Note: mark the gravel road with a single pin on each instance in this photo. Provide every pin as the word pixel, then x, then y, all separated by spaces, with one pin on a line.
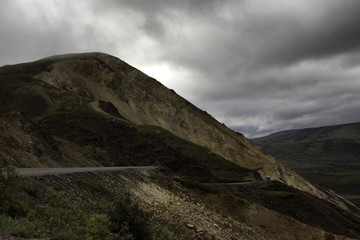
pixel 32 172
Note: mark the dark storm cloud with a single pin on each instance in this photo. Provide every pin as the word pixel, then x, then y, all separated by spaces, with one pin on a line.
pixel 335 31
pixel 252 34
pixel 158 12
pixel 155 7
pixel 257 65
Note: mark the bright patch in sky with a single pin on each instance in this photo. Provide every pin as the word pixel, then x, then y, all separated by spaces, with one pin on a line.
pixel 162 73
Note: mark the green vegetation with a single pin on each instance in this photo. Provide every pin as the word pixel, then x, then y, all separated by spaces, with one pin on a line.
pixel 223 169
pixel 280 194
pixel 22 227
pixel 279 190
pixel 15 84
pixel 101 138
pixel 328 156
pixel 98 155
pixel 13 199
pixel 15 204
pixel 128 220
pixel 8 95
pixel 13 81
pixel 324 150
pixel 340 182
pixel 165 234
pixel 77 125
pixel 19 75
pixel 57 216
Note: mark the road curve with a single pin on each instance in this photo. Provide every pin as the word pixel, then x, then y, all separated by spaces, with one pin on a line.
pixel 33 172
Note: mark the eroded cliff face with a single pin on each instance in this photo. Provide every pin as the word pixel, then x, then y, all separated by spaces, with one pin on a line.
pixel 142 100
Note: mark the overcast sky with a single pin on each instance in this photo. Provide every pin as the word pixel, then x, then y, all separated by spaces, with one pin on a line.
pixel 259 66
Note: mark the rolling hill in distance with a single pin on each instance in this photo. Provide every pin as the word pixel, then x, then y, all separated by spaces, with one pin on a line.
pixel 325 155
pixel 93 109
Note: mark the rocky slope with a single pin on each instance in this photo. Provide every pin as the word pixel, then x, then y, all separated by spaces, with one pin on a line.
pixel 111 86
pixel 174 202
pixel 94 109
pixel 142 100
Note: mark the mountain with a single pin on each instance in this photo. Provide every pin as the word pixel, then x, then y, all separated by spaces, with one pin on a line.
pixel 94 109
pixel 325 155
pixel 108 85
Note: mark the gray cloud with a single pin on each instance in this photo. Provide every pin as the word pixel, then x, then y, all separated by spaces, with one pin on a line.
pixel 28 34
pixel 334 32
pixel 259 66
pixel 245 32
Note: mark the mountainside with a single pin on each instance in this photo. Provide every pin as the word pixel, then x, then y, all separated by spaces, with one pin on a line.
pixel 325 155
pixel 109 85
pixel 95 110
pixel 101 82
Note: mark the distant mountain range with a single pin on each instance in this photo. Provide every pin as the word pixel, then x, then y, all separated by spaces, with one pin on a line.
pixel 324 155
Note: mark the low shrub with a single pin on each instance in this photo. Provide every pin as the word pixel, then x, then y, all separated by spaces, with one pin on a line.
pixel 22 227
pixel 13 201
pixel 99 155
pixel 165 234
pixel 127 219
pixel 58 217
pixel 97 226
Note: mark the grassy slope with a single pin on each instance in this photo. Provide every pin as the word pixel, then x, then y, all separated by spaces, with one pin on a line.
pixel 327 155
pixel 123 143
pixel 220 167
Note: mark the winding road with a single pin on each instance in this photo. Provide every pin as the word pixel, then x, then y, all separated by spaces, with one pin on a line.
pixel 33 172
